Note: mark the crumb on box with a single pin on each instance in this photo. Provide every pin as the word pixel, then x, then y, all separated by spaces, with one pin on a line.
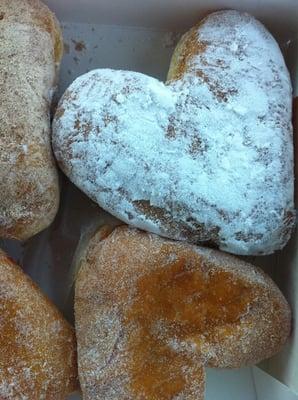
pixel 79 45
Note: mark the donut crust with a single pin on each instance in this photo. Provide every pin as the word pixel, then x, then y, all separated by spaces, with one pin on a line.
pixel 38 346
pixel 30 54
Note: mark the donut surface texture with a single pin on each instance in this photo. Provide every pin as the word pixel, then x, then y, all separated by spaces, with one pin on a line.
pixel 30 54
pixel 37 345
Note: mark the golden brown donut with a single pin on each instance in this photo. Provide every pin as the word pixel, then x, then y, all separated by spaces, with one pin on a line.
pixel 30 54
pixel 37 345
pixel 152 313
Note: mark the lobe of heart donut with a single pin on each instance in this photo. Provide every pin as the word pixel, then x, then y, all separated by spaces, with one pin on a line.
pixel 188 46
pixel 183 61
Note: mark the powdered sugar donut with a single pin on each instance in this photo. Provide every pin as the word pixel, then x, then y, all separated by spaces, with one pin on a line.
pixel 206 157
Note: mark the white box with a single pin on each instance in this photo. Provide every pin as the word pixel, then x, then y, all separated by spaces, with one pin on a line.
pixel 140 36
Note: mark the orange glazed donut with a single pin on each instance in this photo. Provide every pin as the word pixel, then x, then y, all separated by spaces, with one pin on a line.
pixel 152 313
pixel 37 345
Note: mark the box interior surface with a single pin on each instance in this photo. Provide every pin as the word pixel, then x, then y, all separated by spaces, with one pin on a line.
pixel 141 36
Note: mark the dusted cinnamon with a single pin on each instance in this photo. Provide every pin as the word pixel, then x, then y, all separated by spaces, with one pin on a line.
pixel 152 313
pixel 187 303
pixel 30 54
pixel 37 345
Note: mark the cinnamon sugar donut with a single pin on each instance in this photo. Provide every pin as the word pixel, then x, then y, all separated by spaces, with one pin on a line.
pixel 206 157
pixel 30 54
pixel 37 345
pixel 152 313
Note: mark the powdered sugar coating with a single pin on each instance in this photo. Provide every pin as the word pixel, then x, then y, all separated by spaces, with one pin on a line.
pixel 208 157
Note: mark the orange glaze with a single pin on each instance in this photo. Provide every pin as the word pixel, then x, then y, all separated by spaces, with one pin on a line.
pixel 178 303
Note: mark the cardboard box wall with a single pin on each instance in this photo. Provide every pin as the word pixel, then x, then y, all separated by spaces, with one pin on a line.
pixel 141 35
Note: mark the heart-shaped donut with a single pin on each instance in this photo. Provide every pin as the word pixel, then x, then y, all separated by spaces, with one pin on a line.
pixel 152 313
pixel 206 157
